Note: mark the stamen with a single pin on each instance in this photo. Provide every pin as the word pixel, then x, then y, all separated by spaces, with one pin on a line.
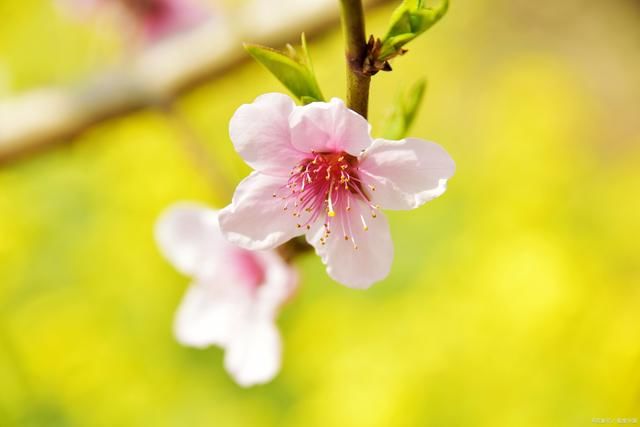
pixel 322 186
pixel 331 212
pixel 364 224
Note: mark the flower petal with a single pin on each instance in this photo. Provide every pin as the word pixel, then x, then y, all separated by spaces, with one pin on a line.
pixel 174 16
pixel 356 268
pixel 188 235
pixel 209 313
pixel 407 173
pixel 253 356
pixel 260 134
pixel 279 284
pixel 255 219
pixel 329 127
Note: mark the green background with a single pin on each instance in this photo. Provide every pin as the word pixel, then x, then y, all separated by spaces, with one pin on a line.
pixel 513 300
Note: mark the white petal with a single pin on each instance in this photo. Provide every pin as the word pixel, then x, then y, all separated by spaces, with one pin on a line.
pixel 260 133
pixel 255 219
pixel 253 355
pixel 370 262
pixel 407 173
pixel 188 235
pixel 279 284
pixel 329 127
pixel 210 312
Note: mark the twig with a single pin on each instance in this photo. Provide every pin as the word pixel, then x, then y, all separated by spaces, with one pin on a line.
pixel 196 149
pixel 358 82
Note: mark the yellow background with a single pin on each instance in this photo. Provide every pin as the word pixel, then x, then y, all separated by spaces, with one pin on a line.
pixel 514 299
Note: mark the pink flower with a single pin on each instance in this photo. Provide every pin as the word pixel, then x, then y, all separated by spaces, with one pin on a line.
pixel 318 172
pixel 161 18
pixel 152 19
pixel 235 296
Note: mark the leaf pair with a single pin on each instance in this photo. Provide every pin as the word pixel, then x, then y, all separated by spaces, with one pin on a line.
pixel 408 21
pixel 292 68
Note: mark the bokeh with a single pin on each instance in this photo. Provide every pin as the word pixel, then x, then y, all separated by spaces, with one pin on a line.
pixel 514 299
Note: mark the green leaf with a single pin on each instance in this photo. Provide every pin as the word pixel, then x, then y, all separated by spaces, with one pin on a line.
pixel 404 111
pixel 292 68
pixel 408 21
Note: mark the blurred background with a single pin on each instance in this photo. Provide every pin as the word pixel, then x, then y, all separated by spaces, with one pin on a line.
pixel 513 300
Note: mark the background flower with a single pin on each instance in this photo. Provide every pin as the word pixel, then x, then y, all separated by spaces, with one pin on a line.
pixel 153 20
pixel 235 295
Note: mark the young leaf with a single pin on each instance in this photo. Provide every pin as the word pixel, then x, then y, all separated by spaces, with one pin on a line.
pixel 404 111
pixel 408 21
pixel 292 69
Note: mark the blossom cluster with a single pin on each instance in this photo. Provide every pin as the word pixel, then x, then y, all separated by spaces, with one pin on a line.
pixel 318 173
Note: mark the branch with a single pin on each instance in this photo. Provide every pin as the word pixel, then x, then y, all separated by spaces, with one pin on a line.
pixel 42 118
pixel 356 51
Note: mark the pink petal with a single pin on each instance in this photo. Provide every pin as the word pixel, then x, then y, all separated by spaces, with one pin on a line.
pixel 329 127
pixel 279 284
pixel 171 17
pixel 370 262
pixel 189 237
pixel 260 134
pixel 253 356
pixel 255 219
pixel 407 173
pixel 209 313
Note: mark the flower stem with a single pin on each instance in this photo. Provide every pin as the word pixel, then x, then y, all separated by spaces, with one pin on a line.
pixel 356 50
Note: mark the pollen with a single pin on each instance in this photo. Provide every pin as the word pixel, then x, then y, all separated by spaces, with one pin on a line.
pixel 325 188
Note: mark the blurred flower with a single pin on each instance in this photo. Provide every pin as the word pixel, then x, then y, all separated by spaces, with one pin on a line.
pixel 319 173
pixel 152 19
pixel 160 18
pixel 235 296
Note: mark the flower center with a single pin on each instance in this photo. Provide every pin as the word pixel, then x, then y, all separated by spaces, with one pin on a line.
pixel 249 271
pixel 324 187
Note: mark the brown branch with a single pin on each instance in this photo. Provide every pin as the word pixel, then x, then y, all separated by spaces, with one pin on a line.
pixel 353 29
pixel 43 118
